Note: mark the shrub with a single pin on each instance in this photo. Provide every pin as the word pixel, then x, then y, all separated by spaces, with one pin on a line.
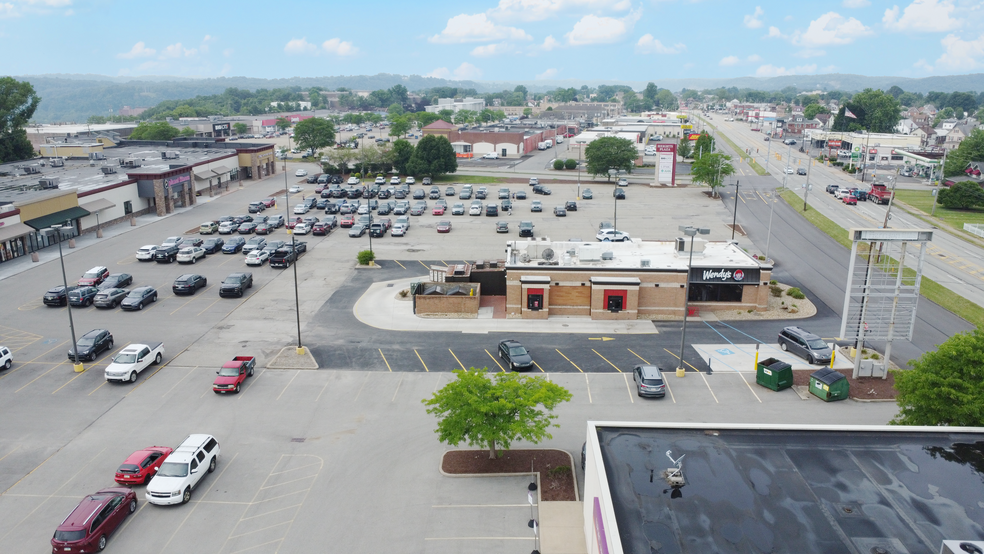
pixel 366 257
pixel 776 290
pixel 558 164
pixel 773 282
pixel 795 293
pixel 875 356
pixel 761 257
pixel 570 164
pixel 404 293
pixel 357 175
pixel 559 471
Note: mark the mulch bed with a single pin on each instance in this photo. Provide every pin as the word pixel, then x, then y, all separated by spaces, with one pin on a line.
pixel 862 388
pixel 556 479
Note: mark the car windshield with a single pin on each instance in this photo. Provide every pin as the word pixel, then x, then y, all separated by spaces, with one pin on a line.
pixel 70 536
pixel 129 358
pixel 173 469
pixel 86 342
pixel 135 294
pixel 517 351
pixel 229 371
pixel 816 344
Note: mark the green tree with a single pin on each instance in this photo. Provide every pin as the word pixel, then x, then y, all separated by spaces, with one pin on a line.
pixel 811 111
pixel 895 92
pixel 945 113
pixel 684 149
pixel 650 92
pixel 394 110
pixel 527 112
pixel 424 119
pixel 464 117
pixel 961 196
pixel 399 126
pixel 314 133
pixel 945 386
pixel 873 111
pixel 666 101
pixel 558 164
pixel 711 169
pixel 18 101
pixel 492 412
pixel 433 156
pixel 522 90
pixel 607 153
pixel 971 149
pixel 446 115
pixel 160 130
pixel 283 124
pixel 240 128
pixel 703 145
pixel 187 132
pixel 401 154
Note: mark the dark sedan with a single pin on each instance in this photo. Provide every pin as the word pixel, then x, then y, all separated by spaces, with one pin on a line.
pixel 92 344
pixel 117 281
pixel 138 298
pixel 515 355
pixel 520 195
pixel 246 228
pixel 109 298
pixel 263 229
pixel 56 296
pixel 189 283
pixel 211 246
pixel 234 245
pixel 82 296
pixel 619 194
pixel 236 284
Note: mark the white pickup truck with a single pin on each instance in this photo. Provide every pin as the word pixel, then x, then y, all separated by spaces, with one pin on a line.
pixel 132 360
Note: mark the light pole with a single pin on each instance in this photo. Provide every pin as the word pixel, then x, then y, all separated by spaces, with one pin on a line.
pixel 293 247
pixel 772 209
pixel 734 220
pixel 789 154
pixel 56 229
pixel 691 232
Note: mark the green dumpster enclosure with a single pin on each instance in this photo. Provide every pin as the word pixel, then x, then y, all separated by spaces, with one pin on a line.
pixel 774 374
pixel 829 385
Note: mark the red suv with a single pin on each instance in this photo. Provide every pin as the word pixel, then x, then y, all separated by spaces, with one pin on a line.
pixel 141 466
pixel 94 276
pixel 88 527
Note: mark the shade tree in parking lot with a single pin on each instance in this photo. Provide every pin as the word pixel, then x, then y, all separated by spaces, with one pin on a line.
pixel 402 152
pixel 399 126
pixel 703 145
pixel 946 386
pixel 433 156
pixel 711 169
pixel 283 124
pixel 493 410
pixel 684 149
pixel 314 134
pixel 607 153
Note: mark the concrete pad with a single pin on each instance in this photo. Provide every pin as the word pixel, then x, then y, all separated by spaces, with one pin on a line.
pixel 562 528
pixel 290 359
pixel 741 357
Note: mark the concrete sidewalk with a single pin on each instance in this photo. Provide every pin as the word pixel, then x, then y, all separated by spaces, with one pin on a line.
pixel 381 307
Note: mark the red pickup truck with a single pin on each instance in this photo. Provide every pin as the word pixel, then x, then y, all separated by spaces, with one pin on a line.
pixel 233 373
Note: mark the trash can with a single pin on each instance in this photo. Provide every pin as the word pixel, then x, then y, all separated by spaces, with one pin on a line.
pixel 774 374
pixel 829 385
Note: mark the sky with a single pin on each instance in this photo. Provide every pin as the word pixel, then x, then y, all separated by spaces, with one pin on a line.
pixel 497 40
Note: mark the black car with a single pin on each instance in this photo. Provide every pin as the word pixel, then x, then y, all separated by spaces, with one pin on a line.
pixel 82 296
pixel 166 255
pixel 234 245
pixel 109 298
pixel 515 355
pixel 264 229
pixel 449 191
pixel 492 210
pixel 801 171
pixel 526 228
pixel 481 194
pixel 138 298
pixel 117 281
pixel 212 246
pixel 189 283
pixel 559 211
pixel 92 344
pixel 56 296
pixel 506 205
pixel 540 189
pixel 419 194
pixel 520 195
pixel 571 206
pixel 384 194
pixel 246 228
pixel 236 285
pixel 619 193
pixel 385 208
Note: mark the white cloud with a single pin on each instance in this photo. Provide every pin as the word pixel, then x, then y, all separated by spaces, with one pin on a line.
pixel 463 71
pixel 17 8
pixel 774 32
pixel 961 54
pixel 538 10
pixel 592 29
pixel 176 50
pixel 476 28
pixel 647 44
pixel 139 50
pixel 769 70
pixel 549 43
pixel 753 21
pixel 300 46
pixel 735 60
pixel 809 53
pixel 832 28
pixel 339 47
pixel 548 74
pixel 921 64
pixel 754 58
pixel 205 42
pixel 487 50
pixel 856 3
pixel 923 16
pixel 228 52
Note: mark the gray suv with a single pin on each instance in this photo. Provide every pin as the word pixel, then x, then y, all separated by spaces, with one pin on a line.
pixel 649 381
pixel 801 342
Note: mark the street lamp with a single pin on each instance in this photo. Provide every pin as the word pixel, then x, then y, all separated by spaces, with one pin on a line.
pixel 56 229
pixel 734 220
pixel 691 232
pixel 293 247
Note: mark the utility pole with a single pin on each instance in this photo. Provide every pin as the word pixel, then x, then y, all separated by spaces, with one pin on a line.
pixel 936 193
pixel 809 166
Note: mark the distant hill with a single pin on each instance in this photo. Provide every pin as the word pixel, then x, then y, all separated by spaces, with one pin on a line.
pixel 75 97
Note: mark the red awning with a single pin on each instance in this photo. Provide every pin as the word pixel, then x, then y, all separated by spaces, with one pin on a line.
pixel 968 170
pixel 977 172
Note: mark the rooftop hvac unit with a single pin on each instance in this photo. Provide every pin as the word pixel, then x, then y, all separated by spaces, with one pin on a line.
pixel 108 170
pixel 97 156
pixel 962 547
pixel 645 263
pixel 493 264
pixel 590 253
pixel 170 155
pixel 57 162
pixel 30 169
pixel 609 255
pixel 681 244
pixel 130 163
pixel 49 183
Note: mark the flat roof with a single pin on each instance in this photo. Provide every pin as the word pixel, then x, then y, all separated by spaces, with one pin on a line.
pixel 788 489
pixel 75 128
pixel 661 255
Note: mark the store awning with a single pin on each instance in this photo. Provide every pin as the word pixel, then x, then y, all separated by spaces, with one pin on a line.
pixel 8 232
pixel 97 205
pixel 63 216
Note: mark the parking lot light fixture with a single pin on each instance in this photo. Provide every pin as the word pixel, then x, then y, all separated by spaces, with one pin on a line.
pixel 293 246
pixel 56 230
pixel 691 232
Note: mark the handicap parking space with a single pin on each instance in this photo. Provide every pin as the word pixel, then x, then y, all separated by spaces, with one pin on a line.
pixel 741 357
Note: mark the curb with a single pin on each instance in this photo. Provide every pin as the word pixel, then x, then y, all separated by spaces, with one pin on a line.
pixel 577 493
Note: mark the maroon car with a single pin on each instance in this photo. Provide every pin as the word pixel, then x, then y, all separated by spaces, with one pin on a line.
pixel 320 229
pixel 269 202
pixel 94 276
pixel 141 466
pixel 92 522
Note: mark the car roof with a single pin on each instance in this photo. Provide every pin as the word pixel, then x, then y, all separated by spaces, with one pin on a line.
pixel 650 371
pixel 93 333
pixel 90 506
pixel 139 455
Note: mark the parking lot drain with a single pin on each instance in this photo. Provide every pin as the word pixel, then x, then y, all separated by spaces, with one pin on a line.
pixel 297 439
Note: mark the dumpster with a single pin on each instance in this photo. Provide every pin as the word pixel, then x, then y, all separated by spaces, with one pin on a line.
pixel 774 374
pixel 828 385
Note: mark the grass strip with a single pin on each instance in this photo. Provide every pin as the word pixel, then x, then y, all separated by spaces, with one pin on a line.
pixel 932 290
pixel 751 161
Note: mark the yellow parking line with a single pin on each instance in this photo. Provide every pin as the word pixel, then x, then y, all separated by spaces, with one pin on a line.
pixel 628 388
pixel 421 360
pixel 97 388
pixel 569 360
pixel 94 363
pixel 699 372
pixel 638 356
pixel 606 359
pixel 538 367
pixel 459 361
pixel 423 264
pixel 193 298
pixel 495 361
pixel 384 360
pixel 209 306
pixel 399 264
pixel 40 376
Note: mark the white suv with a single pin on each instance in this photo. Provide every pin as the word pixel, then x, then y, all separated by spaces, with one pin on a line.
pixel 183 470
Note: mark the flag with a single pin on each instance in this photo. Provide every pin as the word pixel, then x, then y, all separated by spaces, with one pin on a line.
pixel 847 113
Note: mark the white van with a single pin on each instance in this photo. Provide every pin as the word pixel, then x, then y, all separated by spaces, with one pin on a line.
pixel 549 143
pixel 541 146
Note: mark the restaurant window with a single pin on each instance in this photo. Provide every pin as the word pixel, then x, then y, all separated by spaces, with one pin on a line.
pixel 713 292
